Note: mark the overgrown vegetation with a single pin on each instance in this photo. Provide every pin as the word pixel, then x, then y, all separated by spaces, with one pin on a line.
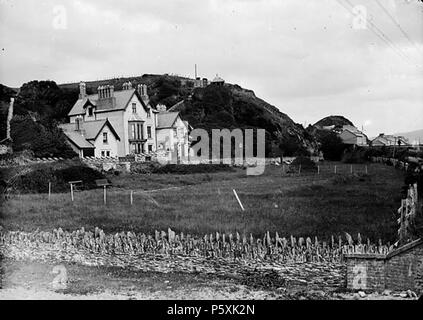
pixel 149 168
pixel 306 164
pixel 37 180
pixel 331 145
pixel 42 137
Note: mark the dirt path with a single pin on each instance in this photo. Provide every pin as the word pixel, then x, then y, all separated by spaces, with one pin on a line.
pixel 34 280
pixel 28 280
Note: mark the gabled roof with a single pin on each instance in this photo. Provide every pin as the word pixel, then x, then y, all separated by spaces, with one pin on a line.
pixel 166 119
pixel 177 105
pixel 390 139
pixel 90 129
pixel 77 139
pixel 355 133
pixel 119 101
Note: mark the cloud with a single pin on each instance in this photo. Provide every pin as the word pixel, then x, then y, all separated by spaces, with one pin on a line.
pixel 305 57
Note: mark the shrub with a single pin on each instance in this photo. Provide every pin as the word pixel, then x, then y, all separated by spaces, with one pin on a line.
pixel 331 145
pixel 306 164
pixel 192 168
pixel 37 180
pixel 154 167
pixel 355 155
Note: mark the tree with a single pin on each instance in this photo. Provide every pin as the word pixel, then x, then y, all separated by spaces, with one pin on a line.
pixel 331 145
pixel 44 139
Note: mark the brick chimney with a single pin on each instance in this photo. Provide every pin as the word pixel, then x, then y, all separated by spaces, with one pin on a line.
pixel 82 90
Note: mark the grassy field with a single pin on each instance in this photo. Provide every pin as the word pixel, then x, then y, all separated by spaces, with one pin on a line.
pixel 306 205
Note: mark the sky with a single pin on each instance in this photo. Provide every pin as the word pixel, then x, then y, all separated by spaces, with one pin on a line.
pixel 310 58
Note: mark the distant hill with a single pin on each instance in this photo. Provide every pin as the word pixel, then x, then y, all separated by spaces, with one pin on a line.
pixel 412 136
pixel 337 121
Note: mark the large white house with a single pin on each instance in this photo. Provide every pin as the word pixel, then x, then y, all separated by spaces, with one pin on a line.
pixel 119 123
pixel 172 135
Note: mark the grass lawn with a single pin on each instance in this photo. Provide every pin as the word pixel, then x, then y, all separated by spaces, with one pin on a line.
pixel 307 205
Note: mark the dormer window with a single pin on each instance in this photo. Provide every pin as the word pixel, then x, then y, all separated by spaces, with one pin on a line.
pixel 134 108
pixel 90 112
pixel 149 113
pixel 104 137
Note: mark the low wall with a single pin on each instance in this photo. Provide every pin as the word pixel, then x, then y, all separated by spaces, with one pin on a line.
pixel 401 269
pixel 365 272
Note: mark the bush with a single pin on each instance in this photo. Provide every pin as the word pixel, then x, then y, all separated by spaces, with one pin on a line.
pixel 44 140
pixel 153 167
pixel 331 145
pixel 306 164
pixel 37 180
pixel 355 155
pixel 144 168
pixel 192 168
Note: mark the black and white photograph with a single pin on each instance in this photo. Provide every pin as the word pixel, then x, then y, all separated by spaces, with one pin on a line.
pixel 213 155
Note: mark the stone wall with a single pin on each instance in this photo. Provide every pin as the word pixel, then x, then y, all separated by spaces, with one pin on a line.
pixel 401 269
pixel 366 272
pixel 404 269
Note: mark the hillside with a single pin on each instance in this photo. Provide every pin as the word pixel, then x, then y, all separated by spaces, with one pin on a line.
pixel 228 106
pixel 337 121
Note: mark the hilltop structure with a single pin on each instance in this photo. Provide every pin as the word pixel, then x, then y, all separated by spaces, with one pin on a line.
pixel 119 123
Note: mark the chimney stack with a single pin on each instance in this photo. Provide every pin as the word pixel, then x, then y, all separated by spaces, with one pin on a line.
pixel 82 90
pixel 142 91
pixel 161 108
pixel 127 85
pixel 100 92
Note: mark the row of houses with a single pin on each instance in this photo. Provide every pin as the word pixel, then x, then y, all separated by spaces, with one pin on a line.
pixel 352 136
pixel 117 123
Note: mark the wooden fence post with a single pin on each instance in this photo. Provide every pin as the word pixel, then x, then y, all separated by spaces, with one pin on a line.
pixel 71 186
pixel 299 169
pixel 49 190
pixel 239 201
pixel 132 198
pixel 367 170
pixel 335 168
pixel 318 169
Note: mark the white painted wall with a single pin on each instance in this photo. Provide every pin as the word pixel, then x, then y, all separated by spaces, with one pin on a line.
pixel 119 120
pixel 142 114
pixel 168 138
pixel 116 120
pixel 111 145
